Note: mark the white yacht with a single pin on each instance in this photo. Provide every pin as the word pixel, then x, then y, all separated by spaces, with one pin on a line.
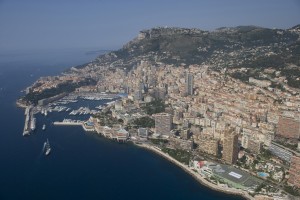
pixel 47 147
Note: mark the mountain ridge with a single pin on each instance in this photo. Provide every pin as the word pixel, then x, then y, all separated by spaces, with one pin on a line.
pixel 251 47
pixel 195 46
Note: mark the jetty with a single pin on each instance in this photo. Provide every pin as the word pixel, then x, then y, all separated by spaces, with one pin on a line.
pixel 86 125
pixel 69 122
pixel 29 121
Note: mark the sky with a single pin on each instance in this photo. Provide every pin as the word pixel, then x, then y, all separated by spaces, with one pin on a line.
pixel 109 24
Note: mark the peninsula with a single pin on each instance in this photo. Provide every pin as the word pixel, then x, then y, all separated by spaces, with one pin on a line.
pixel 223 105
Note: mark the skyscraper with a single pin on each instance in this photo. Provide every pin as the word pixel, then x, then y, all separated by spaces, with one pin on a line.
pixel 163 123
pixel 230 146
pixel 189 84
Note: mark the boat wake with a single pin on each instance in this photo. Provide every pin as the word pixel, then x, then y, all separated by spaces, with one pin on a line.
pixel 42 151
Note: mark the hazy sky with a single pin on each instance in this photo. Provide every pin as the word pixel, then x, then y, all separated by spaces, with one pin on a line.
pixel 108 24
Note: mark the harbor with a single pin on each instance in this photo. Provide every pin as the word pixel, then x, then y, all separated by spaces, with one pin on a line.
pixel 91 103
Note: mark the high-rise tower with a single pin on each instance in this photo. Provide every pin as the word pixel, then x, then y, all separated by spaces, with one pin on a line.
pixel 189 84
pixel 230 146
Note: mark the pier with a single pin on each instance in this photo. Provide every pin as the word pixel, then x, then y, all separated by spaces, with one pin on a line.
pixel 69 122
pixel 87 126
pixel 28 120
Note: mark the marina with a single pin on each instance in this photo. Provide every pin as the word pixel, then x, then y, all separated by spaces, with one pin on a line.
pixel 67 104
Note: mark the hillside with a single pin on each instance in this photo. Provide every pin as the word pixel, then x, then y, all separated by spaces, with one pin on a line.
pixel 251 47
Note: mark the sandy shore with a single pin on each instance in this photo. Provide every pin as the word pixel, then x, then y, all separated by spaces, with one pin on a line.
pixel 197 176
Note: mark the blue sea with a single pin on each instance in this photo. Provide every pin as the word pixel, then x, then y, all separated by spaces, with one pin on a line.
pixel 81 165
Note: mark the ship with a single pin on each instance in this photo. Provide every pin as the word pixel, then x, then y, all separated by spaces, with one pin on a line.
pixel 44 127
pixel 47 147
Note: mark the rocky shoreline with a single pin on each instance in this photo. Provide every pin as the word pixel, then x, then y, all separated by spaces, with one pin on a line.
pixel 21 104
pixel 197 176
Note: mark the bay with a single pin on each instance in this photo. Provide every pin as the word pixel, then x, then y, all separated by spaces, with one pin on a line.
pixel 81 165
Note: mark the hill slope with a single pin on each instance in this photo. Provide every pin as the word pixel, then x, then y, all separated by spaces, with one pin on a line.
pixel 240 46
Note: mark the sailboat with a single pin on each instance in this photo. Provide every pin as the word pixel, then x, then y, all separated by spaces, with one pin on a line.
pixel 44 127
pixel 47 147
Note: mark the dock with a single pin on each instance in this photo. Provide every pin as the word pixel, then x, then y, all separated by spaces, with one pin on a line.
pixel 69 122
pixel 87 126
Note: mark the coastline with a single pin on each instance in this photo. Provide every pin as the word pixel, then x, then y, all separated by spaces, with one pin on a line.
pixel 197 176
pixel 21 104
pixel 194 174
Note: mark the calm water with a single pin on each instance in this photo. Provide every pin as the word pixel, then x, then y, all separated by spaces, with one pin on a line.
pixel 80 166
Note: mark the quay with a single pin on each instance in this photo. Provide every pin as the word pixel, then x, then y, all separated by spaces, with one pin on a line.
pixel 87 126
pixel 69 122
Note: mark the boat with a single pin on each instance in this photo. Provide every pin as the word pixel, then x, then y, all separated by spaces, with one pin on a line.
pixel 44 127
pixel 47 147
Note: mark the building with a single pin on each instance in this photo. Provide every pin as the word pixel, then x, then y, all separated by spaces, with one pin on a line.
pixel 185 134
pixel 230 146
pixel 163 124
pixel 122 135
pixel 118 105
pixel 138 95
pixel 254 146
pixel 46 101
pixel 181 144
pixel 280 152
pixel 208 145
pixel 189 84
pixel 288 127
pixel 234 177
pixel 260 83
pixel 143 132
pixel 294 177
pixel 160 93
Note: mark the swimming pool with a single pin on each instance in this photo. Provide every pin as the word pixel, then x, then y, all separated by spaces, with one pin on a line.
pixel 262 174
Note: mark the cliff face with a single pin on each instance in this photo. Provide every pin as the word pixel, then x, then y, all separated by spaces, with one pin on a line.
pixel 242 46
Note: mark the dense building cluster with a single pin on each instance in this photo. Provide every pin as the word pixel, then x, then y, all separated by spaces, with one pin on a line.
pixel 205 109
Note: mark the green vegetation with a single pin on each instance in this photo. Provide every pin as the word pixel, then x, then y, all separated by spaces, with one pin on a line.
pixel 106 119
pixel 275 61
pixel 291 75
pixel 265 154
pixel 160 142
pixel 240 75
pixel 291 190
pixel 261 186
pixel 66 87
pixel 180 155
pixel 288 145
pixel 144 122
pixel 252 47
pixel 153 107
